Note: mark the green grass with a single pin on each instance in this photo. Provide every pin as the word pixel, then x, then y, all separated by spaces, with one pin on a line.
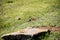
pixel 52 36
pixel 47 12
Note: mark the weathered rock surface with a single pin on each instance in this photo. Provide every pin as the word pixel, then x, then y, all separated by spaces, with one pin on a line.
pixel 26 34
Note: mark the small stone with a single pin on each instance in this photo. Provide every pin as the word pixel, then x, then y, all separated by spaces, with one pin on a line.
pixel 29 20
pixel 19 18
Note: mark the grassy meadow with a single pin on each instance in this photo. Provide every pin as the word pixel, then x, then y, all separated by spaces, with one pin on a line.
pixel 15 14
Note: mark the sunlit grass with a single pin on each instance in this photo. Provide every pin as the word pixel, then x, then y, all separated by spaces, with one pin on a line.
pixel 47 12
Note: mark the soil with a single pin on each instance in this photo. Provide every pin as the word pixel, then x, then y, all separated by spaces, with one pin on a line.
pixel 52 29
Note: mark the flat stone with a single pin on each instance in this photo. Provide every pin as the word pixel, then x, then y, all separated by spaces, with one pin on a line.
pixel 25 34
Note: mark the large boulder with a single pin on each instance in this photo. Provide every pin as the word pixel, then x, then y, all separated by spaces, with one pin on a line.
pixel 25 34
